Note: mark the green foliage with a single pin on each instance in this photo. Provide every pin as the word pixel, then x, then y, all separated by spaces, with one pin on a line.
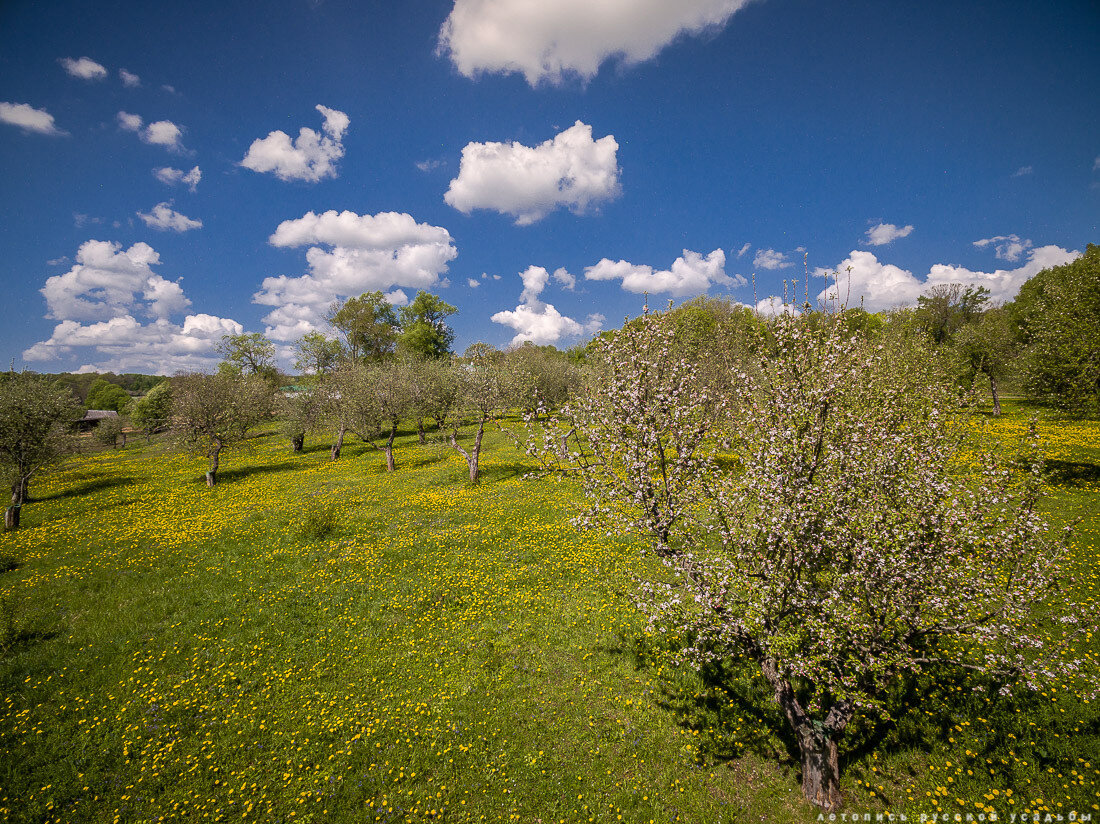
pixel 367 324
pixel 1058 312
pixel 107 396
pixel 110 432
pixel 948 307
pixel 424 332
pixel 251 354
pixel 317 354
pixel 153 411
pixel 35 415
pixel 318 520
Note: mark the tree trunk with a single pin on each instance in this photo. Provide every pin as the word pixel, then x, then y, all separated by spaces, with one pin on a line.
pixel 390 466
pixel 817 741
pixel 420 430
pixel 339 443
pixel 11 516
pixel 297 442
pixel 472 457
pixel 996 396
pixel 212 473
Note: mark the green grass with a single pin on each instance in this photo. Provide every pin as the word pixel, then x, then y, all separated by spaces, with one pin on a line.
pixel 317 641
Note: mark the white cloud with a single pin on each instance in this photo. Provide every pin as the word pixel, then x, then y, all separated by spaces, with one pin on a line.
pixel 771 306
pixel 1096 164
pixel 366 253
pixel 172 176
pixel 29 119
pixel 163 217
pixel 129 79
pixel 571 170
pixel 310 157
pixel 122 344
pixel 741 252
pixel 97 303
pixel 106 282
pixel 429 165
pixel 567 280
pixel 161 133
pixel 549 40
pixel 862 279
pixel 539 322
pixel 1007 247
pixel 473 283
pixel 884 233
pixel 85 68
pixel 770 259
pixel 690 274
pixel 1023 170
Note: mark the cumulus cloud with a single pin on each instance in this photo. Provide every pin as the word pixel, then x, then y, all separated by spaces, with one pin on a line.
pixel 690 274
pixel 165 218
pixel 98 302
pixel 771 259
pixel 107 282
pixel 129 79
pixel 1006 247
pixel 160 133
pixel 550 40
pixel 122 344
pixel 571 170
pixel 309 157
pixel 862 279
pixel 772 306
pixel 85 68
pixel 539 322
pixel 884 233
pixel 29 119
pixel 364 253
pixel 170 176
pixel 473 283
pixel 741 252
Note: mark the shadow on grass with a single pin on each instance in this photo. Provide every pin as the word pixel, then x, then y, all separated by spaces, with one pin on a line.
pixel 95 485
pixel 504 471
pixel 230 475
pixel 1072 473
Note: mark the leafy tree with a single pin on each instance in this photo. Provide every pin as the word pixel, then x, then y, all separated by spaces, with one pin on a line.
pixel 111 432
pixel 107 396
pixel 481 390
pixel 317 354
pixel 842 545
pixel 214 412
pixel 987 347
pixel 251 354
pixel 433 387
pixel 1058 312
pixel 35 415
pixel 948 307
pixel 153 411
pixel 300 412
pixel 424 332
pixel 540 378
pixel 368 325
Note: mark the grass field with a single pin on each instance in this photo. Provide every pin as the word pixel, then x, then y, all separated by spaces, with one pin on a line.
pixel 317 641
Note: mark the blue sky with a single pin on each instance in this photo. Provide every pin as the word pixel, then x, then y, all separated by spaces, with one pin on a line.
pixel 539 165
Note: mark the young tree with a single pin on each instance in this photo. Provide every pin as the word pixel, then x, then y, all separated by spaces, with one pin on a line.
pixel 948 307
pixel 987 347
pixel 433 387
pixel 153 412
pixel 316 354
pixel 844 544
pixel 299 412
pixel 539 377
pixel 251 354
pixel 480 392
pixel 213 412
pixel 424 333
pixel 111 432
pixel 35 415
pixel 367 324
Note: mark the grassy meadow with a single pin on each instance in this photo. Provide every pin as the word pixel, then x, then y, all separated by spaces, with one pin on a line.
pixel 319 641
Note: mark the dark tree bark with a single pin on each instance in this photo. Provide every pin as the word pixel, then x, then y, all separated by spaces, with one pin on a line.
pixel 298 442
pixel 420 429
pixel 339 443
pixel 996 396
pixel 817 741
pixel 388 449
pixel 212 473
pixel 474 455
pixel 11 516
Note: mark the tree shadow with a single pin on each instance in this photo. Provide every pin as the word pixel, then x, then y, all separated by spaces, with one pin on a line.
pixel 96 485
pixel 503 471
pixel 1072 473
pixel 229 475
